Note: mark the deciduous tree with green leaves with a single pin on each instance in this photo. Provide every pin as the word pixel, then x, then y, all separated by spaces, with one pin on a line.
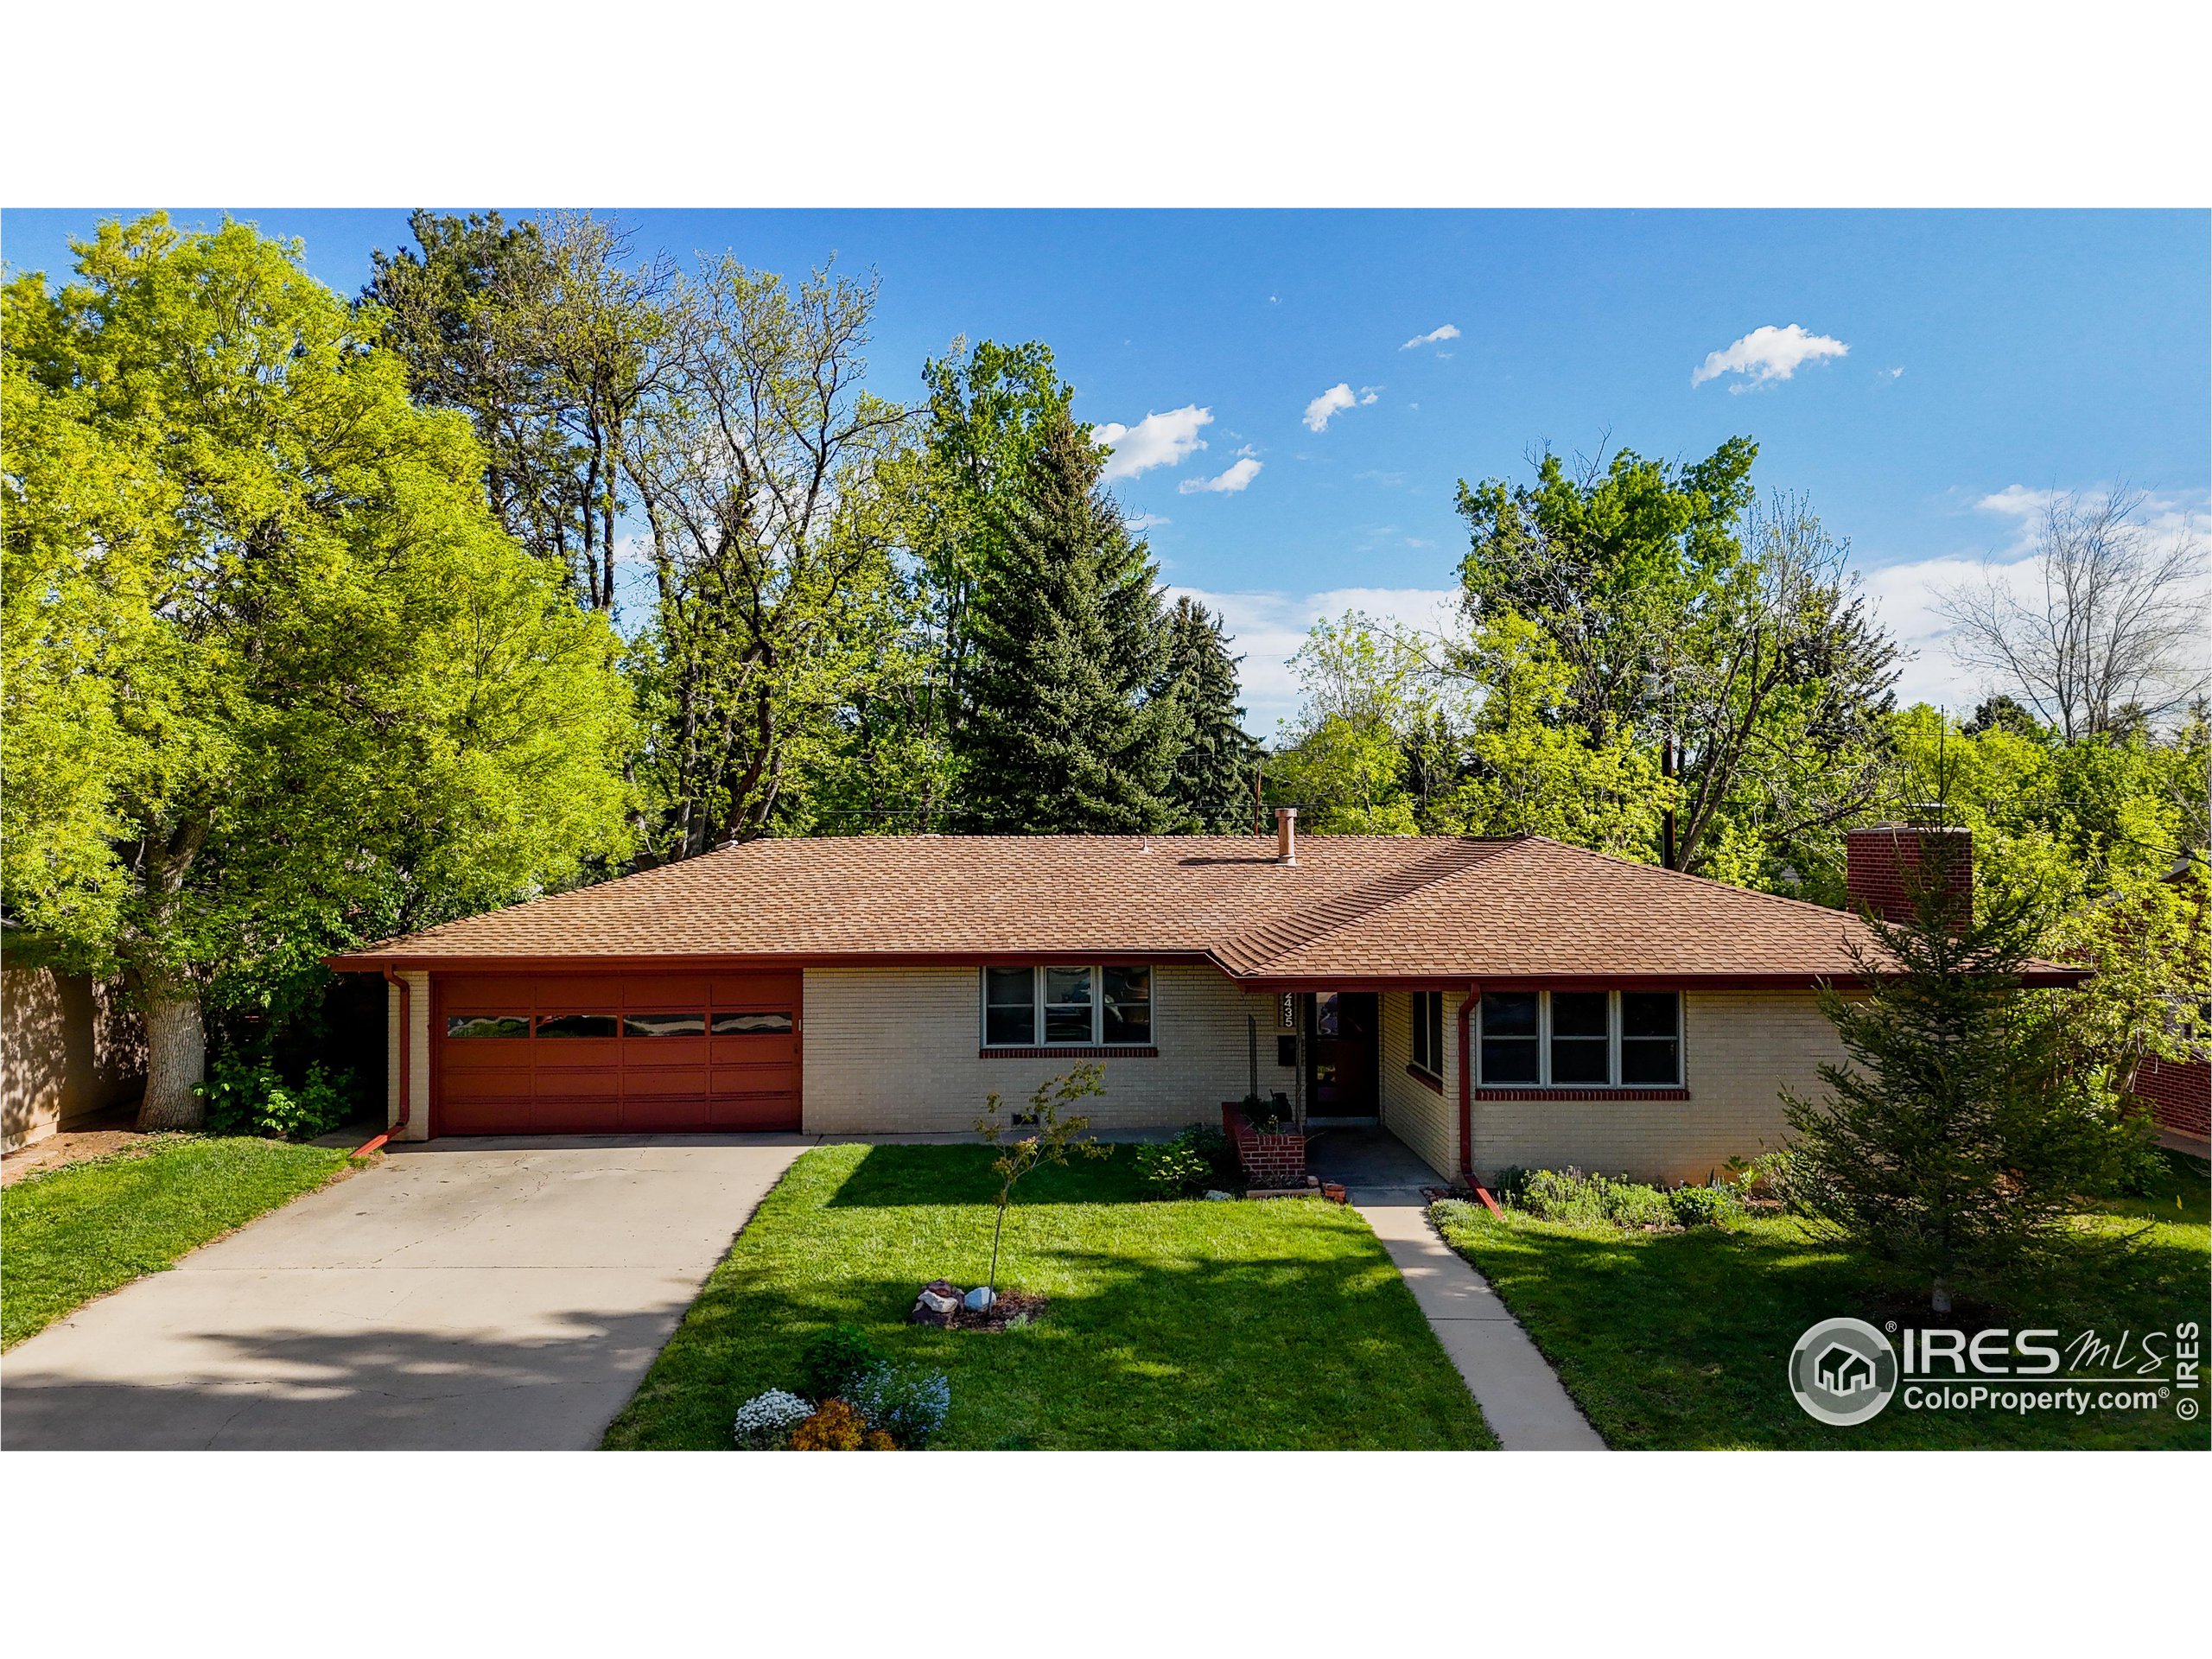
pixel 1690 618
pixel 276 679
pixel 771 533
pixel 549 335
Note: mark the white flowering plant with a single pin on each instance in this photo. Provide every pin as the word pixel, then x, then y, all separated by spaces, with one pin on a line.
pixel 765 1422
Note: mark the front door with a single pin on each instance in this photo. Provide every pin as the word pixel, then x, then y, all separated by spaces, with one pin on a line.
pixel 1340 1051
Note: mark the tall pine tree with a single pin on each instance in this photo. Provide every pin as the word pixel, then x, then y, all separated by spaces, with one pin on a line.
pixel 1070 726
pixel 1960 1138
pixel 1211 784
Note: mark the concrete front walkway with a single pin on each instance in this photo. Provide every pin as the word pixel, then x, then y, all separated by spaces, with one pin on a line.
pixel 478 1293
pixel 1520 1394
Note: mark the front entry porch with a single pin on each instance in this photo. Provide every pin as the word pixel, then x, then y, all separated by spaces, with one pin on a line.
pixel 1371 1164
pixel 1342 1051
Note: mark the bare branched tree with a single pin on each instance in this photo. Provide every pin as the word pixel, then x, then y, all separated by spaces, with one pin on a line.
pixel 771 539
pixel 1777 702
pixel 2105 631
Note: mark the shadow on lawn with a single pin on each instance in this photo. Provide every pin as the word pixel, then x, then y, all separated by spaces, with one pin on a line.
pixel 1195 1350
pixel 894 1176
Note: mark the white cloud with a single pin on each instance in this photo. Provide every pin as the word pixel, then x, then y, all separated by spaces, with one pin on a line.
pixel 1337 398
pixel 1368 394
pixel 1145 521
pixel 1239 474
pixel 1434 337
pixel 2018 501
pixel 1765 355
pixel 1159 440
pixel 1269 627
pixel 1896 374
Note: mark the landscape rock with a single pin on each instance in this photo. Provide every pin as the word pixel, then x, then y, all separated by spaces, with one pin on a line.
pixel 979 1299
pixel 931 1309
pixel 1220 1197
pixel 943 1288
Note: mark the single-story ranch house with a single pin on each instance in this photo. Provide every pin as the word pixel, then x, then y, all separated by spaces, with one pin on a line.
pixel 1489 1001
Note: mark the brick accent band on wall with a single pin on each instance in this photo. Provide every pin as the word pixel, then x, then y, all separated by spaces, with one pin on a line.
pixel 1111 1052
pixel 1580 1093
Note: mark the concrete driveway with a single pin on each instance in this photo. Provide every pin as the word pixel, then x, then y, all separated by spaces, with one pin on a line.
pixel 466 1293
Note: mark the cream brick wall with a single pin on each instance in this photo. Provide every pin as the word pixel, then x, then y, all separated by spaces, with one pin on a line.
pixel 418 1059
pixel 892 1050
pixel 1739 1048
pixel 1417 1114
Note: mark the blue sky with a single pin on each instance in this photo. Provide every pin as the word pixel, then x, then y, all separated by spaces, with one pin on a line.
pixel 1922 376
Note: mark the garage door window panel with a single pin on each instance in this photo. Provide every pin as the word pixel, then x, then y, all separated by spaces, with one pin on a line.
pixel 763 1024
pixel 472 1026
pixel 579 1025
pixel 664 1024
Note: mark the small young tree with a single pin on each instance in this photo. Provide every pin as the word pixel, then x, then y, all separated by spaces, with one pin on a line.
pixel 1053 1139
pixel 1962 1133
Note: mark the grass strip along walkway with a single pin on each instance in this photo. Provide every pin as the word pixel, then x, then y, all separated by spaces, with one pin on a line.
pixel 84 1228
pixel 1188 1324
pixel 1681 1339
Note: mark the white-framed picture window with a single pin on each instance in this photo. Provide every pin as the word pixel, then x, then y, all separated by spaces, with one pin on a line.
pixel 1596 1039
pixel 1068 1005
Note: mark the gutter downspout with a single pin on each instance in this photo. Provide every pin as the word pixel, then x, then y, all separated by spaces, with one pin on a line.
pixel 1468 1099
pixel 406 1049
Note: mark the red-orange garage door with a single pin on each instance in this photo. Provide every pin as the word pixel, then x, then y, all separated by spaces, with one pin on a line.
pixel 614 1053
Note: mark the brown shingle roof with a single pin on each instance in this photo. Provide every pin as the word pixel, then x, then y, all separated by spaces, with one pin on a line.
pixel 1352 908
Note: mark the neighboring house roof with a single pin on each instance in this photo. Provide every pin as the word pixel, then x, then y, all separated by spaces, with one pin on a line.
pixel 1353 908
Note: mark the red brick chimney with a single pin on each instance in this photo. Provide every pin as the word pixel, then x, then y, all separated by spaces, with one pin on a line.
pixel 1885 866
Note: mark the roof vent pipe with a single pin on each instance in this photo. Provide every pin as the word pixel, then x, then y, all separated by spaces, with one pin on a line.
pixel 1286 835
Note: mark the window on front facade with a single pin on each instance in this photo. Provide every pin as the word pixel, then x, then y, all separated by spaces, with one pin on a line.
pixel 1126 1009
pixel 1067 1007
pixel 1580 1038
pixel 1651 1037
pixel 1010 1005
pixel 1428 1032
pixel 1512 1044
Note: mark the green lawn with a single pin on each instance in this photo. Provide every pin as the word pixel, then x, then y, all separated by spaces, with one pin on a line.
pixel 80 1230
pixel 1683 1339
pixel 1188 1324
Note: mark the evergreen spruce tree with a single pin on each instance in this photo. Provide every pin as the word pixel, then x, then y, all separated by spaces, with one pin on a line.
pixel 1212 785
pixel 1963 1133
pixel 1070 728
